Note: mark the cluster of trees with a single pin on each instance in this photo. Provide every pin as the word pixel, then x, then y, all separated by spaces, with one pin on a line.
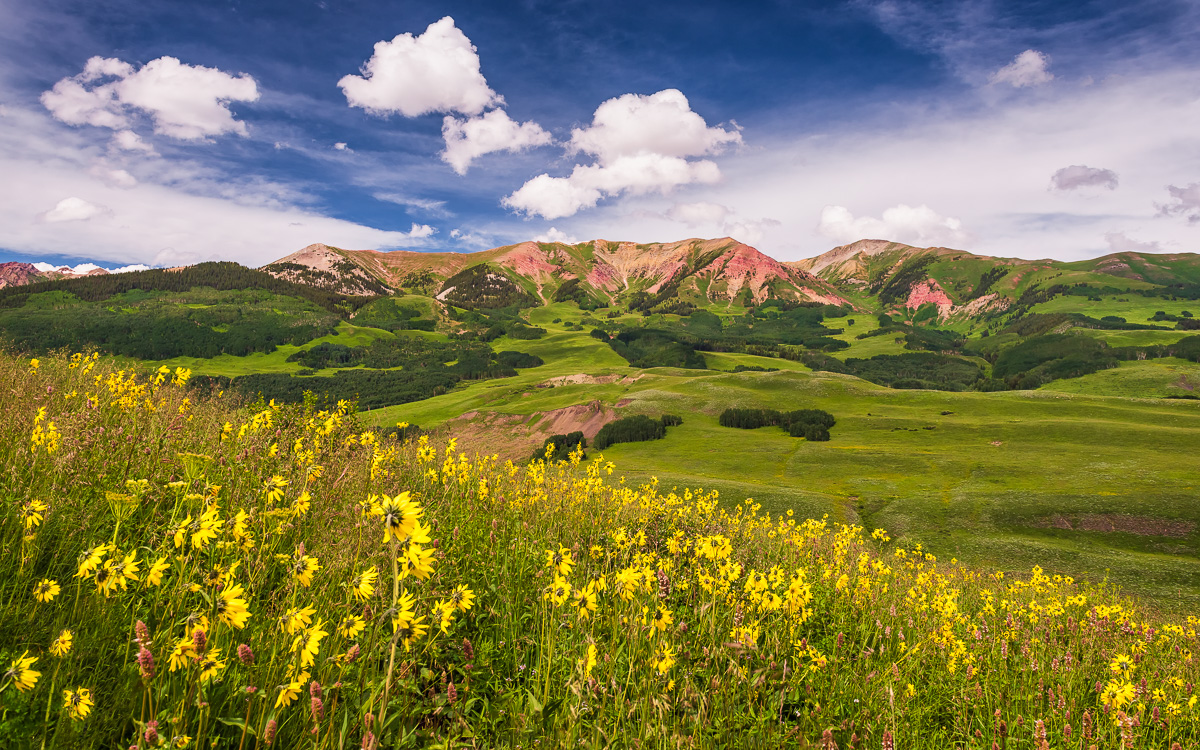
pixel 649 347
pixel 910 370
pixel 159 325
pixel 220 276
pixel 345 273
pixel 1040 359
pixel 416 369
pixel 485 287
pixel 563 446
pixel 634 429
pixel 472 360
pixel 811 424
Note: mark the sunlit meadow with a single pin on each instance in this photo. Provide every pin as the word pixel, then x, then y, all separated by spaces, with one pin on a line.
pixel 178 570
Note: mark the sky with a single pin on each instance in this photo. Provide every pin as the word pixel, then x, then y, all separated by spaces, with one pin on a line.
pixel 164 133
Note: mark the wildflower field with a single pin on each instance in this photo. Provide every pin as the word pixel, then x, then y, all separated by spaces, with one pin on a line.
pixel 180 570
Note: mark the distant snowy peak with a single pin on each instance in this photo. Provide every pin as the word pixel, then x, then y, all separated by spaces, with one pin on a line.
pixel 19 274
pixel 86 269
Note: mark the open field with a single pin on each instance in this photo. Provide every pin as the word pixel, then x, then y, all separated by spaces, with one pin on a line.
pixel 1082 484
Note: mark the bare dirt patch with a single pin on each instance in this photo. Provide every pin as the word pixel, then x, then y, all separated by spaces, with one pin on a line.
pixel 581 379
pixel 516 436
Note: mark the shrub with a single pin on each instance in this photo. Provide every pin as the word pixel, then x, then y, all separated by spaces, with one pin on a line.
pixel 629 430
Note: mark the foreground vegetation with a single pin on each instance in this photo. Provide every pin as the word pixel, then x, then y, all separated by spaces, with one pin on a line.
pixel 187 571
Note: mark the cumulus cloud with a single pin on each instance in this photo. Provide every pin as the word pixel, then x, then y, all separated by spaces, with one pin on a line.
pixel 1027 69
pixel 642 144
pixel 1185 202
pixel 1078 176
pixel 421 231
pixel 188 102
pixel 556 197
pixel 918 225
pixel 437 71
pixel 71 209
pixel 339 146
pixel 661 123
pixel 554 234
pixel 467 140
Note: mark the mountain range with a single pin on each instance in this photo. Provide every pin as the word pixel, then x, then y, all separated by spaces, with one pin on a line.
pixel 867 274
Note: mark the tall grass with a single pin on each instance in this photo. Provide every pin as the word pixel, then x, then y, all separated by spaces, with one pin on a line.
pixel 252 576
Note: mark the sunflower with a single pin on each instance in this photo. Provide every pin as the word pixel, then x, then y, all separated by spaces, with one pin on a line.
pixel 585 600
pixel 296 618
pixel 155 573
pixel 211 664
pixel 46 590
pixel 288 693
pixel 78 703
pixel 363 584
pixel 303 568
pixel 400 516
pixel 662 620
pixel 61 646
pixel 463 598
pixel 560 562
pixel 351 626
pixel 664 659
pixel 90 560
pixel 273 488
pixel 184 651
pixel 20 674
pixel 412 632
pixel 404 612
pixel 231 607
pixel 1121 664
pixel 308 643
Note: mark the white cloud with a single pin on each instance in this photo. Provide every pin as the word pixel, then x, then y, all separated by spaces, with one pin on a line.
pixel 339 146
pixel 1078 176
pixel 917 226
pixel 1119 242
pixel 188 102
pixel 554 234
pixel 471 239
pixel 556 197
pixel 127 140
pixel 1027 69
pixel 437 71
pixel 467 140
pixel 114 177
pixel 662 123
pixel 421 231
pixel 1185 202
pixel 698 214
pixel 642 145
pixel 71 209
pixel 434 208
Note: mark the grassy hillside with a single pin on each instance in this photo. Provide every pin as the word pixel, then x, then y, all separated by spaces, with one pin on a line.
pixel 195 573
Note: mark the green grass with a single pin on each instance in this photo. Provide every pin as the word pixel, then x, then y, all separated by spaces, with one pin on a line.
pixel 276 361
pixel 1152 378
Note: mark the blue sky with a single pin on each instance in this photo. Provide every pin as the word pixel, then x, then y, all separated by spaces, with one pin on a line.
pixel 165 133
